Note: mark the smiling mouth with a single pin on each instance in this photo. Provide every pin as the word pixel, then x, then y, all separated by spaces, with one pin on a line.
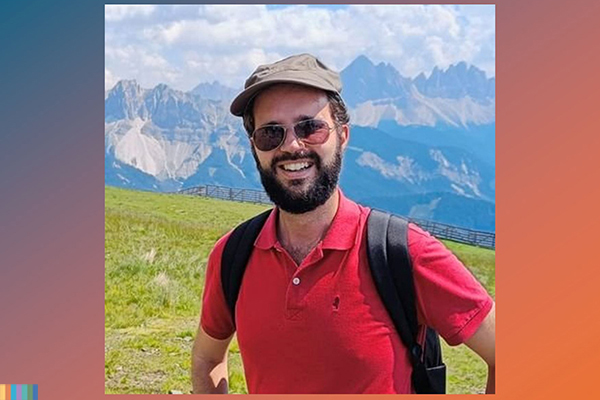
pixel 297 166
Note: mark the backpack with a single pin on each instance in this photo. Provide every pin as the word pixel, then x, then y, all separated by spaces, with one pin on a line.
pixel 391 268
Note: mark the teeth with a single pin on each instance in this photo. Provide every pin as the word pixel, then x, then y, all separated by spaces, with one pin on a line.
pixel 295 166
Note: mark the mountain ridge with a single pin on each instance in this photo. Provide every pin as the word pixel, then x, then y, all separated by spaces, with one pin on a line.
pixel 402 141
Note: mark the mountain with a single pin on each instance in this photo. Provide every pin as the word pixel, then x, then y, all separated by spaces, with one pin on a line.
pixel 214 91
pixel 480 140
pixel 422 147
pixel 457 82
pixel 446 208
pixel 458 97
pixel 169 134
pixel 377 164
pixel 362 81
pixel 125 101
pixel 165 107
pixel 120 174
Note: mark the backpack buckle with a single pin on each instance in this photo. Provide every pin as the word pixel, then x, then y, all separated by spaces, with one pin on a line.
pixel 416 352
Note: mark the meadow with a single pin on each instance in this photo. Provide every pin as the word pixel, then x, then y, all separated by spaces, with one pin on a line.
pixel 156 249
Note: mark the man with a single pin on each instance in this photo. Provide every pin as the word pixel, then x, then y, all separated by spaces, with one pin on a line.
pixel 308 317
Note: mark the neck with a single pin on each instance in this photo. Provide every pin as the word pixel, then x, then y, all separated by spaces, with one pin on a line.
pixel 309 228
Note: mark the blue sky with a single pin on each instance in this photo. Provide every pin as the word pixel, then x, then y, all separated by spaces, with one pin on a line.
pixel 184 45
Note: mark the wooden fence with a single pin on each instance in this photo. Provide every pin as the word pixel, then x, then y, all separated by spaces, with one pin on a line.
pixel 227 193
pixel 458 234
pixel 441 231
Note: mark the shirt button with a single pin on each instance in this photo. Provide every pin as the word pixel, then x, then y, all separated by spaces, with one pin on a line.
pixel 296 281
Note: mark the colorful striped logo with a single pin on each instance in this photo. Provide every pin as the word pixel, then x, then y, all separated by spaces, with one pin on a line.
pixel 18 392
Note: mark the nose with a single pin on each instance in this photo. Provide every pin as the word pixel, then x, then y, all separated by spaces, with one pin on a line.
pixel 291 143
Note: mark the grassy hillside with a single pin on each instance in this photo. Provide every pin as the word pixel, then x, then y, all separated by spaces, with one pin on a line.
pixel 156 248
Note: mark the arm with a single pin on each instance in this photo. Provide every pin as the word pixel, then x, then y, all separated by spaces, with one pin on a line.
pixel 209 364
pixel 483 342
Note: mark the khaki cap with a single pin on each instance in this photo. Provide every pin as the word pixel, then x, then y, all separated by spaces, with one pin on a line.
pixel 302 69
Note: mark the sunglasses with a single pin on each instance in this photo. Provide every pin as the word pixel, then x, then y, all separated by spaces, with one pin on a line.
pixel 308 131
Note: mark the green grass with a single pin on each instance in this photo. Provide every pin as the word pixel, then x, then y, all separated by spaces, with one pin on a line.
pixel 480 261
pixel 466 371
pixel 156 249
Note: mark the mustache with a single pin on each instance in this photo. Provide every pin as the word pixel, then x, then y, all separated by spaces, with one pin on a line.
pixel 303 154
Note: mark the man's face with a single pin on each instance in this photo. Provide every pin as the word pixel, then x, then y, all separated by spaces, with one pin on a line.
pixel 298 177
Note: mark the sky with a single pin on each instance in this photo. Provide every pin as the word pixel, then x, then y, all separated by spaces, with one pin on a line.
pixel 185 45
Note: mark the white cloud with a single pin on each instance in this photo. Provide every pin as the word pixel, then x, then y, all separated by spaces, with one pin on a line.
pixel 109 79
pixel 226 68
pixel 119 12
pixel 147 67
pixel 189 44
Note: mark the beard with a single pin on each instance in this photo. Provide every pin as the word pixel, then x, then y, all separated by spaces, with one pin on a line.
pixel 315 195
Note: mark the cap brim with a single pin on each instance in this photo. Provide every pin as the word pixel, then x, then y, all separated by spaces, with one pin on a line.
pixel 239 104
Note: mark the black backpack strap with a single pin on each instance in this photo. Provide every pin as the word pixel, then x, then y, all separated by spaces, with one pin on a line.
pixel 391 267
pixel 401 269
pixel 235 256
pixel 377 249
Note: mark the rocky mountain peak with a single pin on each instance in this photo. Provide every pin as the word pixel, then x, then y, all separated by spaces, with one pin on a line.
pixel 214 91
pixel 360 63
pixel 457 81
pixel 125 101
pixel 363 80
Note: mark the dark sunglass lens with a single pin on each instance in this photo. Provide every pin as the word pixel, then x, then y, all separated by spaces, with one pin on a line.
pixel 268 138
pixel 312 131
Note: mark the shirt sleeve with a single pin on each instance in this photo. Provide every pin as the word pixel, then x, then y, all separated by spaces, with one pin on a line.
pixel 449 298
pixel 215 318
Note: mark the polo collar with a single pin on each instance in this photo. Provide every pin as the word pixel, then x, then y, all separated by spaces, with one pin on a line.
pixel 340 236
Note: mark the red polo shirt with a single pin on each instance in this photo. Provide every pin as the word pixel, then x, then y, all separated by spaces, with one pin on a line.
pixel 321 327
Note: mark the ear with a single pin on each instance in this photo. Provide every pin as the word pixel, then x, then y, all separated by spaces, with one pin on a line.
pixel 344 135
